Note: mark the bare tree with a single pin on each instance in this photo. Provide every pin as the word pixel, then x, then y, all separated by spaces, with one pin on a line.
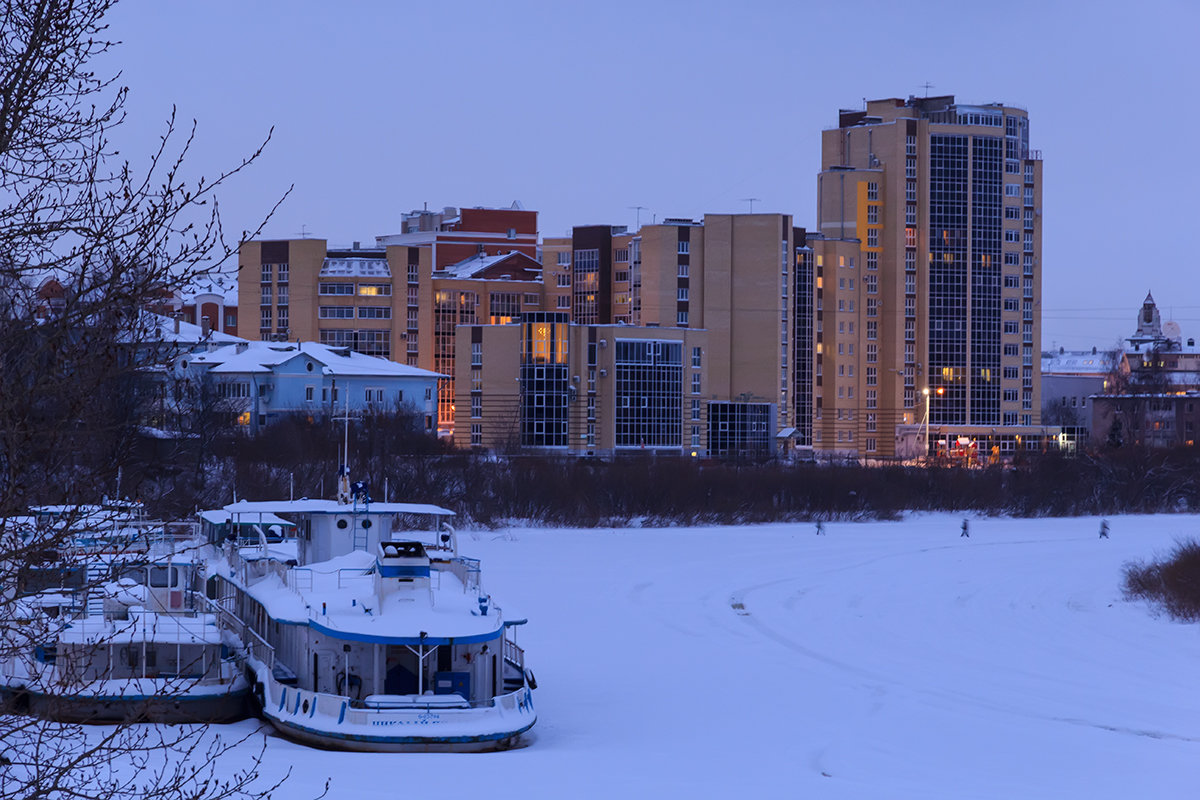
pixel 1117 373
pixel 1060 414
pixel 88 240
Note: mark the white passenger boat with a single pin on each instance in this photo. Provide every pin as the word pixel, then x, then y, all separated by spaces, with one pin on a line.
pixel 116 628
pixel 362 633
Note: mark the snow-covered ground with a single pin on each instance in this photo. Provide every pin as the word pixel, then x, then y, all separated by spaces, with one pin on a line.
pixel 882 660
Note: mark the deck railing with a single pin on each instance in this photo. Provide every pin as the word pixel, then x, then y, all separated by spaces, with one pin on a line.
pixel 255 645
pixel 513 654
pixel 467 570
pixel 300 579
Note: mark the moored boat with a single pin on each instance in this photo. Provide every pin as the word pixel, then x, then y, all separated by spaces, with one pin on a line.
pixel 116 628
pixel 369 633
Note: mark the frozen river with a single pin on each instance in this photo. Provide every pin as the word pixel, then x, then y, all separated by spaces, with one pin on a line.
pixel 881 660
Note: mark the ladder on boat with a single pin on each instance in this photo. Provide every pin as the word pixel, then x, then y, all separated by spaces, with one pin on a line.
pixel 96 573
pixel 360 537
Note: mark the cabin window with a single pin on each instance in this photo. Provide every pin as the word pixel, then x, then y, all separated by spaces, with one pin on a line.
pixel 159 577
pixel 134 653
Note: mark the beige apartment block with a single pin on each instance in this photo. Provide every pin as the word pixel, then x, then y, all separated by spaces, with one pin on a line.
pixel 928 254
pixel 548 385
pixel 743 278
pixel 746 279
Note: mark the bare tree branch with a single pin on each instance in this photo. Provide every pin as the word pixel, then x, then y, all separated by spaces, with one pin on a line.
pixel 88 241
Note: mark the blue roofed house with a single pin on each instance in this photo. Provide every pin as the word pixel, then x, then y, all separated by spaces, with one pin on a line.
pixel 259 382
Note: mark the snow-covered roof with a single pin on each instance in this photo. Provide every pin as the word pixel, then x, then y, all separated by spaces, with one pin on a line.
pixel 307 506
pixel 264 357
pixel 1077 362
pixel 1164 345
pixel 144 626
pixel 224 286
pixel 1187 394
pixel 476 264
pixel 220 516
pixel 158 329
pixel 357 265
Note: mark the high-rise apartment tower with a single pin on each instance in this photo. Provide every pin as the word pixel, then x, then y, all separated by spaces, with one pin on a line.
pixel 928 256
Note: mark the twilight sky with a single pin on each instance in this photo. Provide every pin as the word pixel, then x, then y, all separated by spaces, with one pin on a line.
pixel 582 110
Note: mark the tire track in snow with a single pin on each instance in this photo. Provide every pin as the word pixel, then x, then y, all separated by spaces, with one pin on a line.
pixel 738 604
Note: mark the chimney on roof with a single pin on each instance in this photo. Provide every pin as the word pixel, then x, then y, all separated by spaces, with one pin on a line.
pixel 1093 349
pixel 357 246
pixel 175 316
pixel 205 326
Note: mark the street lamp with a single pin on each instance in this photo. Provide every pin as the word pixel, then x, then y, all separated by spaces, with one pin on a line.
pixel 941 390
pixel 925 391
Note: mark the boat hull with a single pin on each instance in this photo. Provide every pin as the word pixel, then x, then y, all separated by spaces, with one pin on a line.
pixel 226 706
pixel 328 740
pixel 335 722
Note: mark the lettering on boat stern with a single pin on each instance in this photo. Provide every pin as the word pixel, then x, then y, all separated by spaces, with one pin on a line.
pixel 427 718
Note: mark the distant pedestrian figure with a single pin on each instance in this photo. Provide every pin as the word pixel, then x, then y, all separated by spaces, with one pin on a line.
pixel 820 528
pixel 966 533
pixel 1103 529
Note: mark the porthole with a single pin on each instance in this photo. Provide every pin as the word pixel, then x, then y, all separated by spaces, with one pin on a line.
pixel 342 524
pixel 366 523
pixel 309 366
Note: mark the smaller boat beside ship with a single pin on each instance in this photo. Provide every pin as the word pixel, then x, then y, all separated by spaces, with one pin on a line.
pixel 112 624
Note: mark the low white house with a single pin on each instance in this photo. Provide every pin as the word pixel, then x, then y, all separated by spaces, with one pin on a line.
pixel 258 382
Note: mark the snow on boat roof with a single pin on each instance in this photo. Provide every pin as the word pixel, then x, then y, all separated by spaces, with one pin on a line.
pixel 144 626
pixel 338 598
pixel 278 551
pixel 219 516
pixel 306 506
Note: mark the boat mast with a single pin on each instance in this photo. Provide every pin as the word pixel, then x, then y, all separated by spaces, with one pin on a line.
pixel 343 485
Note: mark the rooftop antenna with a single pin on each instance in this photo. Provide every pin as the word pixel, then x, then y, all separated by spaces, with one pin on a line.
pixel 927 86
pixel 751 201
pixel 639 210
pixel 303 232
